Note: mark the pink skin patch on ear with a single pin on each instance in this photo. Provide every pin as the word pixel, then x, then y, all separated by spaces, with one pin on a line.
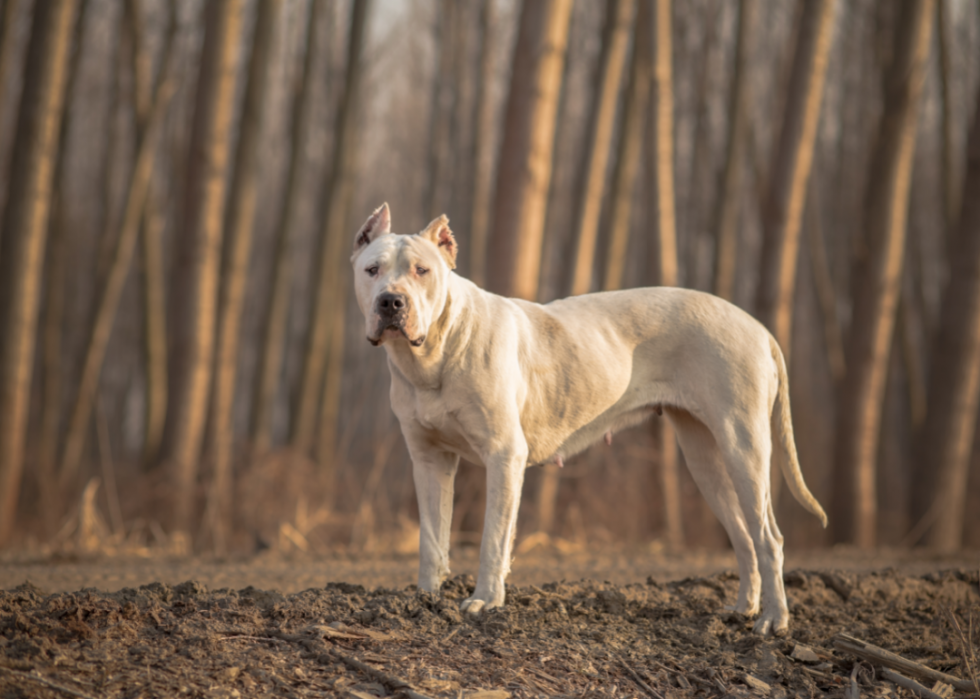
pixel 608 438
pixel 559 461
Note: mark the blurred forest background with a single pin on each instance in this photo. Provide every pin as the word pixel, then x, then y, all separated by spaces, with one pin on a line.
pixel 183 367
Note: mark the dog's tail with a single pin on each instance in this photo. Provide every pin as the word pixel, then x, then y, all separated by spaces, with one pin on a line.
pixel 782 428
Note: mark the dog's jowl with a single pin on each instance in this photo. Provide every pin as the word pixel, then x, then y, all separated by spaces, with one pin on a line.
pixel 510 384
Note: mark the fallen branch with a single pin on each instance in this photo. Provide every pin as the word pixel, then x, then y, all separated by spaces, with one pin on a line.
pixel 392 683
pixel 873 653
pixel 636 678
pixel 910 684
pixel 46 683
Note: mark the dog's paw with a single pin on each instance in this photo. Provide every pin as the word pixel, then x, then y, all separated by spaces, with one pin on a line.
pixel 772 625
pixel 472 605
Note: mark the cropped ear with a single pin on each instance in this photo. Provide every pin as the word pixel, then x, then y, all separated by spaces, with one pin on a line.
pixel 438 232
pixel 377 225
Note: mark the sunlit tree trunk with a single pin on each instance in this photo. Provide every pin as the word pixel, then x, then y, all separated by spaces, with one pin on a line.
pixel 323 363
pixel 524 170
pixel 199 254
pixel 25 223
pixel 666 248
pixel 239 224
pixel 730 191
pixel 783 215
pixel 149 120
pixel 619 17
pixel 940 479
pixel 878 281
pixel 287 228
pixel 483 142
pixel 630 149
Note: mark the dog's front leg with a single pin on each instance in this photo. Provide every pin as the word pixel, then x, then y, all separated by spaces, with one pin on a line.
pixel 505 477
pixel 434 473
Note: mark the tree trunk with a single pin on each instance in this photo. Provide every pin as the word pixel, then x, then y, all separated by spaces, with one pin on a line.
pixel 483 142
pixel 8 34
pixel 440 115
pixel 239 224
pixel 951 199
pixel 25 224
pixel 54 293
pixel 524 171
pixel 730 191
pixel 783 215
pixel 878 281
pixel 940 478
pixel 824 283
pixel 332 276
pixel 619 17
pixel 148 127
pixel 630 150
pixel 666 248
pixel 196 286
pixel 154 324
pixel 277 314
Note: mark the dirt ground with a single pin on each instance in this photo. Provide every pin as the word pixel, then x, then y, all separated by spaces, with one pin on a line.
pixel 612 622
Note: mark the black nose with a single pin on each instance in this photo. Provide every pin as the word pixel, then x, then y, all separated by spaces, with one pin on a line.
pixel 389 304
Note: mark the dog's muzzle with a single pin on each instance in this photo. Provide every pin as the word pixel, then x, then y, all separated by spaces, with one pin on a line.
pixel 392 312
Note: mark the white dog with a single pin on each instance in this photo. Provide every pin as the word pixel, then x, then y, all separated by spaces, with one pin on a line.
pixel 509 384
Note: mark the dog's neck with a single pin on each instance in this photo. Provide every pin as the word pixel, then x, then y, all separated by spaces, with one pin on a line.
pixel 423 366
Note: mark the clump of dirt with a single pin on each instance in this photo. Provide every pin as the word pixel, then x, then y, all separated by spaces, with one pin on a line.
pixel 574 639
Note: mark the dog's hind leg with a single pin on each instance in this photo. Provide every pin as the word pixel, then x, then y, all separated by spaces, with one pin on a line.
pixel 748 450
pixel 707 465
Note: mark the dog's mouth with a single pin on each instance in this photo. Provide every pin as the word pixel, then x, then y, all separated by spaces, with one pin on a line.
pixel 393 331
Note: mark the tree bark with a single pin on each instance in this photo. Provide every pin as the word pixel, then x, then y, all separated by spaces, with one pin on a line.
pixel 730 192
pixel 149 124
pixel 951 199
pixel 630 149
pixel 8 33
pixel 783 215
pixel 483 142
pixel 331 284
pixel 619 17
pixel 196 286
pixel 824 283
pixel 239 224
pixel 940 478
pixel 877 278
pixel 524 171
pixel 666 248
pixel 25 223
pixel 154 324
pixel 277 313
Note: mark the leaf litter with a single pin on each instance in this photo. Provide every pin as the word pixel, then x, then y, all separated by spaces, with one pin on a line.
pixel 579 639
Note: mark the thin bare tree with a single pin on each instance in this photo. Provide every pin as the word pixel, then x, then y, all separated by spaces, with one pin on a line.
pixel 8 22
pixel 619 18
pixel 239 224
pixel 483 141
pixel 951 193
pixel 524 170
pixel 287 229
pixel 154 321
pixel 877 279
pixel 439 169
pixel 630 149
pixel 663 201
pixel 940 477
pixel 195 289
pixel 25 225
pixel 149 118
pixel 783 214
pixel 730 191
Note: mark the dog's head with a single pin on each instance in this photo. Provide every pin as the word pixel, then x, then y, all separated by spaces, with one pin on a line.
pixel 400 280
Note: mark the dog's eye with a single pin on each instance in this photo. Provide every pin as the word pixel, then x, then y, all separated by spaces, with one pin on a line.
pixel 372 270
pixel 421 271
